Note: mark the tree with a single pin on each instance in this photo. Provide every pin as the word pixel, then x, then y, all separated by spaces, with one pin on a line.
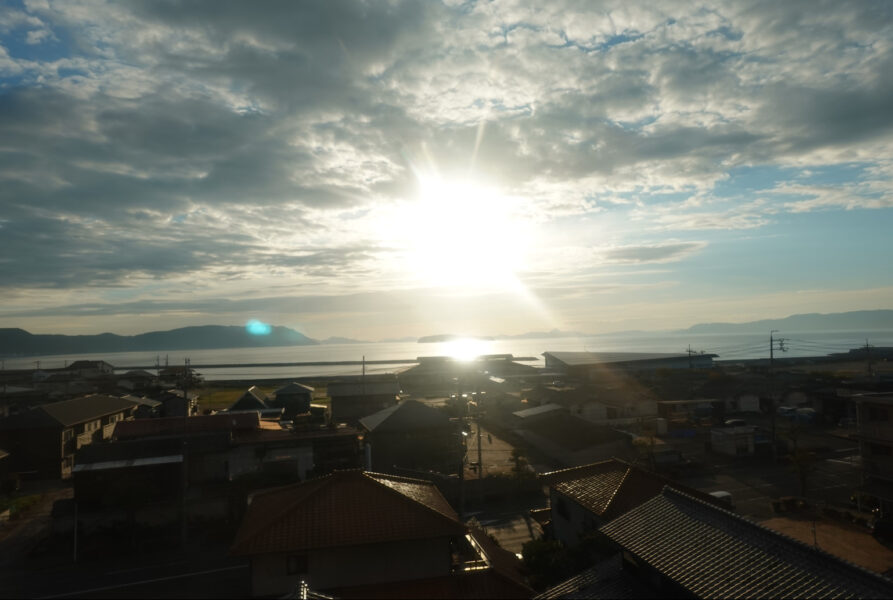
pixel 519 463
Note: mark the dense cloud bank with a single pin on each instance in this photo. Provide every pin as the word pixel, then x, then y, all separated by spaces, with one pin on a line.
pixel 150 146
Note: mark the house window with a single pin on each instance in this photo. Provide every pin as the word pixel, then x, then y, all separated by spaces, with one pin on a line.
pixel 67 435
pixel 92 426
pixel 297 564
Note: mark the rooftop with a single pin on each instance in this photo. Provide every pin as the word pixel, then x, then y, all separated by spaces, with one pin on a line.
pixel 713 553
pixel 405 416
pixel 575 359
pixel 70 412
pixel 612 487
pixel 294 388
pixel 537 410
pixel 345 508
pixel 606 579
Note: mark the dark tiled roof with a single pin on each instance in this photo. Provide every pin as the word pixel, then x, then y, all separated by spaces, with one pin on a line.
pixel 252 399
pixel 345 508
pixel 713 553
pixel 606 579
pixel 613 487
pixel 406 416
pixel 85 408
pixel 294 388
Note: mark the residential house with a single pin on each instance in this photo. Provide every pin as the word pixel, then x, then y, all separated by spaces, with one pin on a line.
pixel 136 380
pixel 89 369
pixel 354 399
pixel 447 375
pixel 527 416
pixel 146 407
pixel 354 534
pixel 411 435
pixel 346 529
pixel 255 400
pixel 682 546
pixel 175 402
pixel 43 440
pixel 241 444
pixel 294 399
pixel 874 426
pixel 582 499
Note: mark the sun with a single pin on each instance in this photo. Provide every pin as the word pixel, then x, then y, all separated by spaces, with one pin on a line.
pixel 462 234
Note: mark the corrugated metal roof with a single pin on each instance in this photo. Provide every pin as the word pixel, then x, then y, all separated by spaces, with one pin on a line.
pixel 713 553
pixel 537 410
pixel 134 462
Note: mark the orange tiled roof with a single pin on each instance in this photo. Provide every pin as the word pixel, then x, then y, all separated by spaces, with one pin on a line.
pixel 345 508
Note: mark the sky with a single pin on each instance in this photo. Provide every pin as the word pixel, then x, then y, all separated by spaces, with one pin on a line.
pixel 387 169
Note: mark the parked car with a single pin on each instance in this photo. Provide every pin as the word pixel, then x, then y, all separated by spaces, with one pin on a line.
pixel 734 423
pixel 786 411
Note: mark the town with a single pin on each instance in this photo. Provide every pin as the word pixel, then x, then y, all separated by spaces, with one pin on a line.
pixel 598 475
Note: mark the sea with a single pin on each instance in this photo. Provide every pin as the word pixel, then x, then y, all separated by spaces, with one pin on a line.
pixel 728 346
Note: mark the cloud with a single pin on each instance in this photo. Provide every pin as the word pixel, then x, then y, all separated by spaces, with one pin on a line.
pixel 652 253
pixel 145 140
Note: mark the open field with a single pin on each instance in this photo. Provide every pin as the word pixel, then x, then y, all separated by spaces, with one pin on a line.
pixel 220 398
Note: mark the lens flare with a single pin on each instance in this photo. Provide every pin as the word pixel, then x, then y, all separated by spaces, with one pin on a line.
pixel 255 327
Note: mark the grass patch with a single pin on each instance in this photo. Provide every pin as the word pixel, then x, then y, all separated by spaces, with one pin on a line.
pixel 219 398
pixel 18 505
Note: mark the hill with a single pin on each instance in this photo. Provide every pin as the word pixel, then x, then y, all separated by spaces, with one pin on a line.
pixel 18 342
pixel 860 320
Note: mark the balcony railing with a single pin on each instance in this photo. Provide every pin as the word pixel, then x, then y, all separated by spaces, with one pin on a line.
pixel 85 439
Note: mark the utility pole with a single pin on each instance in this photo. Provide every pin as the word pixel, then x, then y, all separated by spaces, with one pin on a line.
pixel 772 406
pixel 184 523
pixel 868 348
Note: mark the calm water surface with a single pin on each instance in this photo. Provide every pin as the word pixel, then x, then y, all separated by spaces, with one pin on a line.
pixel 727 346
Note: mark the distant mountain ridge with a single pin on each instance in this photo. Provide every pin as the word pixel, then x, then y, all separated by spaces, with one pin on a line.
pixel 18 342
pixel 858 320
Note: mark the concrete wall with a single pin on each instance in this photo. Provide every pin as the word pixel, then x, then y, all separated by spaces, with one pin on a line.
pixel 569 519
pixel 353 565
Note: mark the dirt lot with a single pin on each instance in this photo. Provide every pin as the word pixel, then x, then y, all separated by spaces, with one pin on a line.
pixel 849 543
